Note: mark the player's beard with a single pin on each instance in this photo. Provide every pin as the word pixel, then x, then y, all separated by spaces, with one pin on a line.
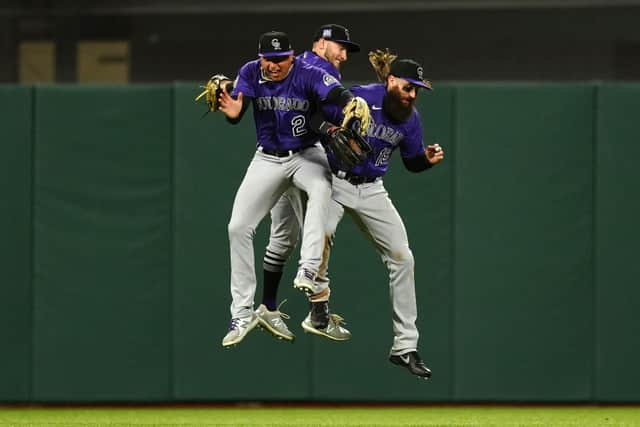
pixel 332 55
pixel 394 107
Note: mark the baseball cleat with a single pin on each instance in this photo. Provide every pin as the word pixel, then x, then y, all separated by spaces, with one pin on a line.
pixel 320 322
pixel 238 329
pixel 304 281
pixel 412 362
pixel 272 321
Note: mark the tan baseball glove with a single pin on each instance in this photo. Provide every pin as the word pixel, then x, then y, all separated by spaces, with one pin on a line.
pixel 212 90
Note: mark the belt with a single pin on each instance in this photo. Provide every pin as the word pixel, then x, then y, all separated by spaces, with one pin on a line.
pixel 353 179
pixel 278 153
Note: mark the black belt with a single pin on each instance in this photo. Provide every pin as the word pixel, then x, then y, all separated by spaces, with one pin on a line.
pixel 278 153
pixel 353 179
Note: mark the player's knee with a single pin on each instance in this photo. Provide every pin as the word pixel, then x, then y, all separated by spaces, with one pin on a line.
pixel 238 229
pixel 402 256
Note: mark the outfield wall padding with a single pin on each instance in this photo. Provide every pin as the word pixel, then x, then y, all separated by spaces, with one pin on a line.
pixel 116 264
pixel 523 242
pixel 16 105
pixel 103 239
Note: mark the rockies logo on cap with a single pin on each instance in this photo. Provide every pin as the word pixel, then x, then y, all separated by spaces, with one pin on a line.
pixel 411 71
pixel 274 43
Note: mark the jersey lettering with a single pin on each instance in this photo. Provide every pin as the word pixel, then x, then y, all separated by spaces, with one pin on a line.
pixel 280 103
pixel 384 133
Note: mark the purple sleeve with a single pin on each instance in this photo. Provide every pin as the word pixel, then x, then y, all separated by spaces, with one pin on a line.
pixel 332 112
pixel 321 82
pixel 411 145
pixel 243 82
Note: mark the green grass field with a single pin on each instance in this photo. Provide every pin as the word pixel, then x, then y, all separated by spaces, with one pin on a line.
pixel 325 416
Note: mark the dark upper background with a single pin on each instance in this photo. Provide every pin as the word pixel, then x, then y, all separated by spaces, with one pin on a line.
pixel 455 39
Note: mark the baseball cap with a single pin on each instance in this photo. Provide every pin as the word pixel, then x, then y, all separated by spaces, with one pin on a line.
pixel 411 71
pixel 339 34
pixel 274 43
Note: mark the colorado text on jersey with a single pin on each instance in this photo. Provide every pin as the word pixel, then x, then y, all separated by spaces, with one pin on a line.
pixel 281 103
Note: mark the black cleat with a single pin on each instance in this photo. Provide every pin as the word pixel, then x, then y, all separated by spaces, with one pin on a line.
pixel 413 363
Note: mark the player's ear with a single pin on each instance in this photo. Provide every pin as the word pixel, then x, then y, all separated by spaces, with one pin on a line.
pixel 391 80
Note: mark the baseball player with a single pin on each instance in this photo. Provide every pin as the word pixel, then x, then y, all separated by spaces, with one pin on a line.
pixel 395 124
pixel 284 93
pixel 331 45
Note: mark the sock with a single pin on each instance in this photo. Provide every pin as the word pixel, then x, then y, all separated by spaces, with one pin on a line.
pixel 320 314
pixel 270 289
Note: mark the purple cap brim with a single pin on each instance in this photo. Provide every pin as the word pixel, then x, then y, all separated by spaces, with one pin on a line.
pixel 269 54
pixel 425 84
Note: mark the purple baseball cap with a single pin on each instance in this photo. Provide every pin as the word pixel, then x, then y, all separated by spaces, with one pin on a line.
pixel 411 71
pixel 274 43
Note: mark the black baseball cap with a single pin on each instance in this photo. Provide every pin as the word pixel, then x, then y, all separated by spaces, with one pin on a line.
pixel 339 34
pixel 411 71
pixel 274 43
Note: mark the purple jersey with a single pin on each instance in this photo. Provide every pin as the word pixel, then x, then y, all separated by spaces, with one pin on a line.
pixel 383 134
pixel 312 58
pixel 281 110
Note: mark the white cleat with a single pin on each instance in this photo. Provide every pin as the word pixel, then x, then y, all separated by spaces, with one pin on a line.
pixel 272 321
pixel 334 331
pixel 304 282
pixel 238 329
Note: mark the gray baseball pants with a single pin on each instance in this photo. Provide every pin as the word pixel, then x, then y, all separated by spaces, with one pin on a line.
pixel 266 179
pixel 375 215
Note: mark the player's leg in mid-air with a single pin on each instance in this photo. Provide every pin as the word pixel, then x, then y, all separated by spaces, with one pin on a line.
pixel 378 219
pixel 312 175
pixel 283 236
pixel 314 242
pixel 261 187
pixel 286 216
pixel 320 320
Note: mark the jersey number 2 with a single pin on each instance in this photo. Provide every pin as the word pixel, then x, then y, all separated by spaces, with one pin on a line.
pixel 297 126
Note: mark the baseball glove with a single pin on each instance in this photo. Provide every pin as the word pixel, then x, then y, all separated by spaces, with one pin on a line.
pixel 381 61
pixel 212 91
pixel 348 146
pixel 356 115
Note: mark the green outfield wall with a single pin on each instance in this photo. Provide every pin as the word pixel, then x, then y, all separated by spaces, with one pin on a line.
pixel 115 261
